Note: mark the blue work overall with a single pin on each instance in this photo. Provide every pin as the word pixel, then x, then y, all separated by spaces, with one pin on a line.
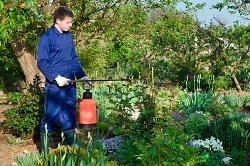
pixel 57 56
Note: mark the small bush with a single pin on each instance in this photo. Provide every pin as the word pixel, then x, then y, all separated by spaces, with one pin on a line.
pixel 222 83
pixel 191 127
pixel 234 101
pixel 124 101
pixel 165 144
pixel 22 120
pixel 25 116
pixel 233 130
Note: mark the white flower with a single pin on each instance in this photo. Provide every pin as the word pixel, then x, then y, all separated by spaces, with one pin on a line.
pixel 226 160
pixel 211 144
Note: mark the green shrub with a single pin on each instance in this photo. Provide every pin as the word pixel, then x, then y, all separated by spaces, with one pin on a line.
pixel 124 100
pixel 93 59
pixel 127 155
pixel 234 101
pixel 247 101
pixel 211 159
pixel 195 125
pixel 233 130
pixel 218 109
pixel 26 114
pixel 100 95
pixel 222 83
pixel 167 146
pixel 239 157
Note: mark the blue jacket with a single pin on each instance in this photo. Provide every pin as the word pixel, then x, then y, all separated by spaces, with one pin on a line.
pixel 57 56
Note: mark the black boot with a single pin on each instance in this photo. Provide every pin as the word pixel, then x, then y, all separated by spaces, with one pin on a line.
pixel 45 141
pixel 70 137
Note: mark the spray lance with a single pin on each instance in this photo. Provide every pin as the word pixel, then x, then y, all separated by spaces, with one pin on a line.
pixel 87 106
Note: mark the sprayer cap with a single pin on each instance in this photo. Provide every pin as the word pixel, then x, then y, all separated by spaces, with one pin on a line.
pixel 87 94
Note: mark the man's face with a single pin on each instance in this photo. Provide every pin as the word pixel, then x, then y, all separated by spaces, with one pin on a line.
pixel 65 24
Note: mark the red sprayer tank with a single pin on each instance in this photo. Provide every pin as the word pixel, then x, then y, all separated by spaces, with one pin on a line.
pixel 87 111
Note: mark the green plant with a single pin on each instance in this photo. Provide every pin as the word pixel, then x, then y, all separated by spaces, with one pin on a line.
pixel 167 146
pixel 26 114
pixel 211 159
pixel 100 95
pixel 247 101
pixel 29 159
pixel 222 83
pixel 234 101
pixel 233 130
pixel 196 102
pixel 93 155
pixel 218 108
pixel 13 141
pixel 239 157
pixel 127 155
pixel 191 127
pixel 66 156
pixel 125 100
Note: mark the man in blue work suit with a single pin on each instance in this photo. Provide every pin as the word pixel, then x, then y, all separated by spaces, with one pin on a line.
pixel 58 61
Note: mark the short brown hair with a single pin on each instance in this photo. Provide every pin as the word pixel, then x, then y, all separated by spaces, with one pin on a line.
pixel 61 12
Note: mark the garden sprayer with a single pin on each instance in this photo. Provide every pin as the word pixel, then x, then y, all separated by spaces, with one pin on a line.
pixel 87 106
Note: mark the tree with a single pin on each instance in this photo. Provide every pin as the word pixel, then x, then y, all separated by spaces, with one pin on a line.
pixel 177 46
pixel 229 49
pixel 233 6
pixel 22 22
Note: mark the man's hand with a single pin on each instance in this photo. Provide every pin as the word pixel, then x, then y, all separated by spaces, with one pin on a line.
pixel 62 81
pixel 85 81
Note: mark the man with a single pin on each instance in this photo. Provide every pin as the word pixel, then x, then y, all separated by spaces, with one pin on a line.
pixel 58 61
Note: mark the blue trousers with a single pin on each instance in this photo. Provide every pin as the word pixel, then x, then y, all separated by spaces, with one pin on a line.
pixel 59 107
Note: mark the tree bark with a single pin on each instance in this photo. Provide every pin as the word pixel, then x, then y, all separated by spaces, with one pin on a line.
pixel 235 80
pixel 27 61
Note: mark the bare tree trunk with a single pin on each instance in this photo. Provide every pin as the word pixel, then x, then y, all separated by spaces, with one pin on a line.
pixel 27 61
pixel 236 83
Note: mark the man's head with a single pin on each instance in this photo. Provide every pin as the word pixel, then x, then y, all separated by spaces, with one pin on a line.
pixel 63 18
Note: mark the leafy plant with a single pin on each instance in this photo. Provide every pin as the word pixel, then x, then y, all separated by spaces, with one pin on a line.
pixel 100 95
pixel 196 102
pixel 124 100
pixel 239 157
pixel 222 82
pixel 195 125
pixel 26 114
pixel 29 159
pixel 234 101
pixel 167 146
pixel 233 130
pixel 13 141
pixel 211 158
pixel 67 156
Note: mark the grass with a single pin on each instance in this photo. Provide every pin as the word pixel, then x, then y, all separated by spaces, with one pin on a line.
pixel 13 141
